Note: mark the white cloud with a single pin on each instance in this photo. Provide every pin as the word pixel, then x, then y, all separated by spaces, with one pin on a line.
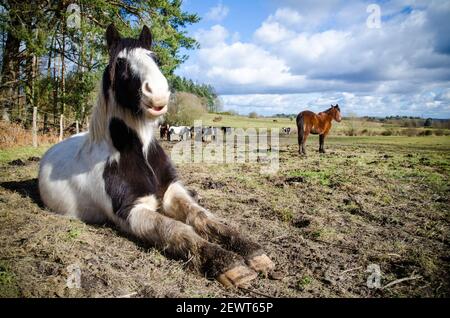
pixel 296 58
pixel 287 16
pixel 216 35
pixel 230 66
pixel 306 46
pixel 217 13
pixel 272 32
pixel 233 65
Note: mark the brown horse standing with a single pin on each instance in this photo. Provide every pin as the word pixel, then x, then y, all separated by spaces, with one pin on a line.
pixel 309 122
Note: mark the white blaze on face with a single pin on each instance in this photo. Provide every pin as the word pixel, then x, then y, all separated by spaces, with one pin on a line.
pixel 155 89
pixel 339 117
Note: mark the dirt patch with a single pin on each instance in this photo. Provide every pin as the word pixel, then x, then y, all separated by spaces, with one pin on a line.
pixel 294 180
pixel 301 222
pixel 17 162
pixel 210 184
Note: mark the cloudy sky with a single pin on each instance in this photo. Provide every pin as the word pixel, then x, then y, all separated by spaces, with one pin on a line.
pixel 285 56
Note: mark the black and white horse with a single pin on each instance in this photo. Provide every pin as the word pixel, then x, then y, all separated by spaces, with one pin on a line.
pixel 226 130
pixel 286 130
pixel 118 172
pixel 209 133
pixel 197 133
pixel 179 132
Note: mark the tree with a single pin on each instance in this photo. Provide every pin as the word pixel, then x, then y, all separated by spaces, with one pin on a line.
pixel 10 63
pixel 253 115
pixel 203 91
pixel 428 122
pixel 184 109
pixel 218 105
pixel 53 65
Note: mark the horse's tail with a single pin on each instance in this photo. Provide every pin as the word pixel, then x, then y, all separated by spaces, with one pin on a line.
pixel 300 126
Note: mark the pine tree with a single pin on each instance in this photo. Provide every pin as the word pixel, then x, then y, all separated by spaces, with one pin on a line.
pixel 50 64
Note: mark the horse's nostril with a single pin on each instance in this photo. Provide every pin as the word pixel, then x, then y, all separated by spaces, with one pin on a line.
pixel 147 88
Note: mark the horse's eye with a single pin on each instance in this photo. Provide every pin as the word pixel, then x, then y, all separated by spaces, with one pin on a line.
pixel 155 58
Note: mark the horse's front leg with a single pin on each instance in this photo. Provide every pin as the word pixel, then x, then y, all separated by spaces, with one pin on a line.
pixel 180 240
pixel 178 204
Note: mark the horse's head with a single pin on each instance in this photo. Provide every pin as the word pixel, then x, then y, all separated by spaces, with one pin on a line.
pixel 336 113
pixel 132 77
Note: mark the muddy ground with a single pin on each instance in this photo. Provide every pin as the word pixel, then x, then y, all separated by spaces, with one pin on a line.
pixel 324 220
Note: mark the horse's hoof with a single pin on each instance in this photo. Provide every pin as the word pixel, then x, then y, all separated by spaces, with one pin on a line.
pixel 261 263
pixel 237 276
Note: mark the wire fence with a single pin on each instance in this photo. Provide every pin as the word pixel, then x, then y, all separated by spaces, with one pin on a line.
pixel 64 127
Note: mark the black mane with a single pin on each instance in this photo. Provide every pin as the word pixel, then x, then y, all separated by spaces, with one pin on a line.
pixel 332 107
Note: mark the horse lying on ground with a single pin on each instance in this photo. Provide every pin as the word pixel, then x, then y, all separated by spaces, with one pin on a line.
pixel 309 122
pixel 118 172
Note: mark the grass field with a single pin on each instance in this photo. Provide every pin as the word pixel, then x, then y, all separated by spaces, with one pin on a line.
pixel 323 219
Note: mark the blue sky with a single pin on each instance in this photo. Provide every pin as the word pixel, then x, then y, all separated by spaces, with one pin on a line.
pixel 286 56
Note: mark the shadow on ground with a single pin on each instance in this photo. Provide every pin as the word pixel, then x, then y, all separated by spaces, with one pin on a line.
pixel 26 188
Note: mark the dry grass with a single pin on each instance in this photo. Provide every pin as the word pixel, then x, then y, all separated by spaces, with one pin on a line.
pixel 323 219
pixel 14 135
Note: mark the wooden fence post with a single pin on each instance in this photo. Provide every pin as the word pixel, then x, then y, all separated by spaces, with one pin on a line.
pixel 77 126
pixel 44 127
pixel 61 127
pixel 34 131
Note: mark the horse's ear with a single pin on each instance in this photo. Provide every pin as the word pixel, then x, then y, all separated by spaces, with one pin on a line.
pixel 112 36
pixel 146 37
pixel 337 106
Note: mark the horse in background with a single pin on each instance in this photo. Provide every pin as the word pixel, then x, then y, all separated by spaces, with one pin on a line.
pixel 316 124
pixel 226 130
pixel 183 133
pixel 164 131
pixel 209 133
pixel 286 130
pixel 196 133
